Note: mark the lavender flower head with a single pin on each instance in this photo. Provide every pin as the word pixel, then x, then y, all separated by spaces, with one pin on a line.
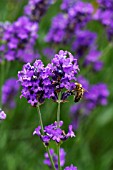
pixel 3 27
pixel 19 39
pixel 35 9
pixel 70 168
pixel 2 115
pixel 39 82
pixel 57 32
pixel 9 91
pixel 85 40
pixel 80 13
pixel 104 14
pixel 55 158
pixel 52 132
pixel 31 79
pixel 63 69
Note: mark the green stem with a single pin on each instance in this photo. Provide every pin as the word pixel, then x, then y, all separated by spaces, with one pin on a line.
pixel 40 119
pixel 107 49
pixel 59 168
pixel 50 157
pixel 42 129
pixel 58 110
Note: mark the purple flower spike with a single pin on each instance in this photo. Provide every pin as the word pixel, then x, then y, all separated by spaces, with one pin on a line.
pixel 9 92
pixel 35 9
pixel 41 82
pixel 18 40
pixel 52 132
pixel 70 168
pixel 104 14
pixel 2 115
pixel 55 158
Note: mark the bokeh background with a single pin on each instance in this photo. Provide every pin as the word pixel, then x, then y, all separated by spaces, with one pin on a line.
pixel 92 149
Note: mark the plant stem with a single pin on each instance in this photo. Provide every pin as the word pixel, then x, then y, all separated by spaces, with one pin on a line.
pixel 52 163
pixel 58 110
pixel 58 125
pixel 42 129
pixel 59 168
pixel 40 119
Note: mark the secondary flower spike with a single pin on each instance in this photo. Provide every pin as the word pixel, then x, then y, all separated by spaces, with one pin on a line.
pixel 52 132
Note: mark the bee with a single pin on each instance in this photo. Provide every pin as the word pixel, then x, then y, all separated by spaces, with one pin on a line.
pixel 78 92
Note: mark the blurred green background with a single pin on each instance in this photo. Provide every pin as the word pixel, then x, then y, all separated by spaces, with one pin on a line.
pixel 92 149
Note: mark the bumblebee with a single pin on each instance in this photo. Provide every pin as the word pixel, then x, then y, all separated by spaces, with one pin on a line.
pixel 78 92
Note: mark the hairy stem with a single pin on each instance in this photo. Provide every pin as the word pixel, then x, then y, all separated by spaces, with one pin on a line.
pixel 42 129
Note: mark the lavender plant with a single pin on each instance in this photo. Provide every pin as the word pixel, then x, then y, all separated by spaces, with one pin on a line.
pixel 55 81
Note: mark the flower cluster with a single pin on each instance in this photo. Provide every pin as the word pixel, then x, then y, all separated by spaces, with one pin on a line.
pixel 39 82
pixel 3 27
pixel 105 15
pixel 68 27
pixel 53 132
pixel 55 158
pixel 35 9
pixel 85 46
pixel 19 39
pixel 9 91
pixel 97 95
pixel 2 115
pixel 66 23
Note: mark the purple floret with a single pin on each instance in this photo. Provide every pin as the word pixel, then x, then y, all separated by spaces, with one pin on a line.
pixel 2 115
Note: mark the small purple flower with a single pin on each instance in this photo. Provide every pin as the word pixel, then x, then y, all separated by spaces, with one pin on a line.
pixel 52 132
pixel 71 167
pixel 55 158
pixel 9 91
pixel 2 115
